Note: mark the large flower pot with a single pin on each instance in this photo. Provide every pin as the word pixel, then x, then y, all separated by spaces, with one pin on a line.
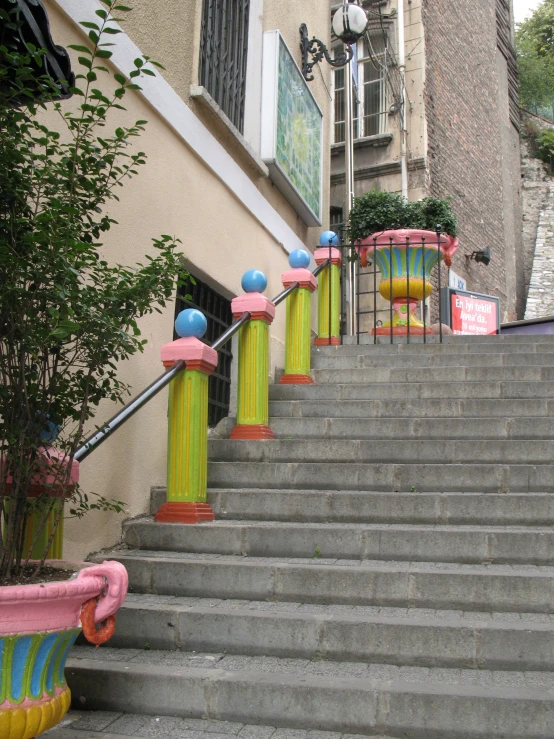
pixel 406 258
pixel 38 626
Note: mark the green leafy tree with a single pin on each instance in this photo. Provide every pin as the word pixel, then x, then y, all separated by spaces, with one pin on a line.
pixel 535 55
pixel 68 313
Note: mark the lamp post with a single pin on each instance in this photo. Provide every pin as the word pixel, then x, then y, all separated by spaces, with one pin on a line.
pixel 349 24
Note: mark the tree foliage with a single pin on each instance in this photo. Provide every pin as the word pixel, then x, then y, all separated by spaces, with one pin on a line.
pixel 68 313
pixel 535 55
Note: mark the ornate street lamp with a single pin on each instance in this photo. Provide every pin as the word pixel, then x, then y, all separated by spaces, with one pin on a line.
pixel 349 24
pixel 24 23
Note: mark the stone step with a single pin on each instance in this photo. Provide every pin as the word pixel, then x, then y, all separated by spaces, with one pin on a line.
pixel 435 375
pixel 380 477
pixel 301 406
pixel 78 724
pixel 495 340
pixel 404 542
pixel 521 588
pixel 400 701
pixel 460 348
pixel 344 390
pixel 440 361
pixel 383 451
pixel 523 509
pixel 417 636
pixel 413 428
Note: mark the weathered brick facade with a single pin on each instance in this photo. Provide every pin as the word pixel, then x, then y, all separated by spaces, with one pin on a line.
pixel 473 142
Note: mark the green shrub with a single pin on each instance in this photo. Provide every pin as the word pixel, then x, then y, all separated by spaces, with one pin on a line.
pixel 374 212
pixel 67 314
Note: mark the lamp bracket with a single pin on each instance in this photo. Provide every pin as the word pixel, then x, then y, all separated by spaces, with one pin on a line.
pixel 318 51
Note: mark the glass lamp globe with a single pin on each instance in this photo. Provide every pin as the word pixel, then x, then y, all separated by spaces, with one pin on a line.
pixel 349 23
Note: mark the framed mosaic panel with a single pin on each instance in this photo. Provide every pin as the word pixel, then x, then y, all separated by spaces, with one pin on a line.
pixel 292 130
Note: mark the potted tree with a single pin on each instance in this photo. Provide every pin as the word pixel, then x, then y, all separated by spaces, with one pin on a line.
pixel 406 240
pixel 67 316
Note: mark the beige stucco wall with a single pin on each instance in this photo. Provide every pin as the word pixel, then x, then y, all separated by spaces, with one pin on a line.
pixel 169 32
pixel 174 193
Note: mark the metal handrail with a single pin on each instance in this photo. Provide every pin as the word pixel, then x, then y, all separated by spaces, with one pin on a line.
pixel 94 441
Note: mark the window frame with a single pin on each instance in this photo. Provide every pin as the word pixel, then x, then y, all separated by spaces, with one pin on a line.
pixel 358 99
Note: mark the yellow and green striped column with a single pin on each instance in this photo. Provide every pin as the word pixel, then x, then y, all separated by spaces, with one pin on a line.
pixel 253 359
pixel 328 296
pixel 53 481
pixel 298 320
pixel 187 441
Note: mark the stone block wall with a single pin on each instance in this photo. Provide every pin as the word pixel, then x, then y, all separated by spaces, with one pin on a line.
pixel 473 149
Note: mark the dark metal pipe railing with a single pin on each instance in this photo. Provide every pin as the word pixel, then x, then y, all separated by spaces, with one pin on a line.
pixel 231 331
pixel 94 441
pixel 290 289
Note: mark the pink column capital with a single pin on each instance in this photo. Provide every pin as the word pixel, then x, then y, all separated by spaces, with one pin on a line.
pixel 322 254
pixel 194 352
pixel 260 307
pixel 303 276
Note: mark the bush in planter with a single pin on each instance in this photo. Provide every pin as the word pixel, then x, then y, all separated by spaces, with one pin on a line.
pixel 374 212
pixel 67 315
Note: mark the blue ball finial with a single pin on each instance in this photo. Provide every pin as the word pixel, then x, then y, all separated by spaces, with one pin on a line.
pixel 328 237
pixel 254 281
pixel 191 322
pixel 299 258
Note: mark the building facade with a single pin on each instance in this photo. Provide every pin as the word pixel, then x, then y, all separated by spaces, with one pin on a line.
pixel 206 182
pixel 459 121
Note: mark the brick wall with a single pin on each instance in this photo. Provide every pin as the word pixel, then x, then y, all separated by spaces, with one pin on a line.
pixel 473 146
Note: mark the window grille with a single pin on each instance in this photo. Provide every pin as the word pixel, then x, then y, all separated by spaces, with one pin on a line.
pixel 223 53
pixel 217 310
pixel 369 95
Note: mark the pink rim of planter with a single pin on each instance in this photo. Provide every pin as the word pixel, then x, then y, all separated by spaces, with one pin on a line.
pixel 46 479
pixel 382 239
pixel 56 606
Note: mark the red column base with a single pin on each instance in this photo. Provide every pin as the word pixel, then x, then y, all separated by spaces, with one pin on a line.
pixel 296 380
pixel 320 341
pixel 252 431
pixel 184 513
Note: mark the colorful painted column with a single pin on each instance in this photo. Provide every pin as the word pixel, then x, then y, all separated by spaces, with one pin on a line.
pixel 328 310
pixel 299 320
pixel 46 491
pixel 187 442
pixel 253 359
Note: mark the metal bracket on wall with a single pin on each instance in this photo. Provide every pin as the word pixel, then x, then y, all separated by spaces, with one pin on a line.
pixel 318 51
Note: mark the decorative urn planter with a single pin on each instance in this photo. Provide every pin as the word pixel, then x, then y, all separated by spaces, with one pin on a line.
pixel 406 258
pixel 38 626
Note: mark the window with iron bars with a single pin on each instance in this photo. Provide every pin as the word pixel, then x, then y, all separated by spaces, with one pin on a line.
pixel 217 309
pixel 369 95
pixel 223 55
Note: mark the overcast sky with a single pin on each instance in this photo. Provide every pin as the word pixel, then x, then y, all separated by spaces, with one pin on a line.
pixel 523 8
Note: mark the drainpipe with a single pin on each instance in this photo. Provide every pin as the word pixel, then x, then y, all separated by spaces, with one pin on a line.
pixel 404 113
pixel 349 194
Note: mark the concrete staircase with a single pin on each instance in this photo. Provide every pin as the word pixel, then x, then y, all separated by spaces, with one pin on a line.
pixel 384 568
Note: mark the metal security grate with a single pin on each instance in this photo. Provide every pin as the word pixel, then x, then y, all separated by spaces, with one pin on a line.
pixel 217 310
pixel 223 53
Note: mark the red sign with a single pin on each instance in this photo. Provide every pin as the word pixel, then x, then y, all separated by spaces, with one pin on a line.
pixel 471 314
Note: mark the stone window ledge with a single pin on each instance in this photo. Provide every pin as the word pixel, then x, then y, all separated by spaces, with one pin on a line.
pixel 224 125
pixel 380 139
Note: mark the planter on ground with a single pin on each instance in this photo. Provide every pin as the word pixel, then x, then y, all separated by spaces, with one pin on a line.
pixel 38 626
pixel 405 258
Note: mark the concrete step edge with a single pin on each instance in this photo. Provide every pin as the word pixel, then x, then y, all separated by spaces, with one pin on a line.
pixel 350 703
